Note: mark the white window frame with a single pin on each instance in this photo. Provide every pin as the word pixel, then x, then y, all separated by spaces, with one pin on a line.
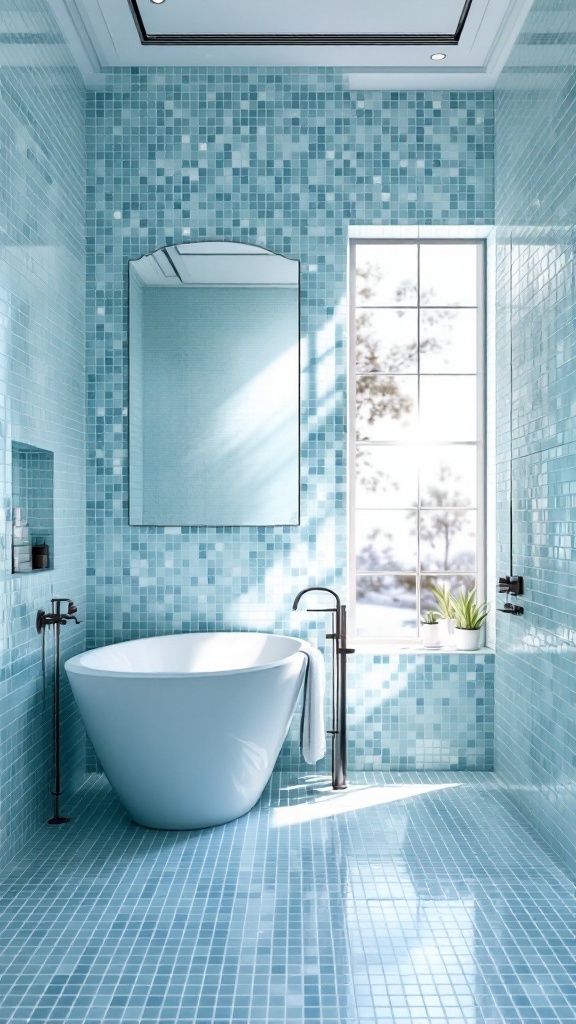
pixel 379 235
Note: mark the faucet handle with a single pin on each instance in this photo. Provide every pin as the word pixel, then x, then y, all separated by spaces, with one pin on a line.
pixel 57 601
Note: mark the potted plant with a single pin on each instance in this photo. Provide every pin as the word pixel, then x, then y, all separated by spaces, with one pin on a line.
pixel 445 603
pixel 430 630
pixel 469 618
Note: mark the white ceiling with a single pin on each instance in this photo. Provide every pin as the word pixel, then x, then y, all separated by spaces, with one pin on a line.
pixel 105 33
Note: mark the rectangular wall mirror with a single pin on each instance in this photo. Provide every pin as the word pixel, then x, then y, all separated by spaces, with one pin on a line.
pixel 214 405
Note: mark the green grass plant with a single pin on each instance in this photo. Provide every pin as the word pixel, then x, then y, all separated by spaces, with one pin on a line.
pixel 469 614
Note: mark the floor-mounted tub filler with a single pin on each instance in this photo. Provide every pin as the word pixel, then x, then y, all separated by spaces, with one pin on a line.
pixel 188 727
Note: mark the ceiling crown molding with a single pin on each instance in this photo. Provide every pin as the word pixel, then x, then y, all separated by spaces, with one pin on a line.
pixel 104 34
pixel 484 77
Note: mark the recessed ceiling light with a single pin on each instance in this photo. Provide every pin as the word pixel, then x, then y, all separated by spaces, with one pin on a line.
pixel 156 1
pixel 433 56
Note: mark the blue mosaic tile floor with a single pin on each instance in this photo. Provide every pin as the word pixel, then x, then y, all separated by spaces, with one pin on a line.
pixel 412 897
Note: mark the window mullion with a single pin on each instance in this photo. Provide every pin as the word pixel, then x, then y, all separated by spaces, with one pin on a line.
pixel 418 484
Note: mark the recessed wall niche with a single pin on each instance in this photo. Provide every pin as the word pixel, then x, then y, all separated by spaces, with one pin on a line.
pixel 32 509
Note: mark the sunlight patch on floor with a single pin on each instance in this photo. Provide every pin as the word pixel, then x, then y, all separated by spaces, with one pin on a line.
pixel 355 798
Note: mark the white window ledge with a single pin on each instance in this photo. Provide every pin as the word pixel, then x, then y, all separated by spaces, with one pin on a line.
pixel 376 647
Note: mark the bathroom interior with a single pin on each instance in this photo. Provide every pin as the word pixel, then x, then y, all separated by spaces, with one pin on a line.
pixel 287 319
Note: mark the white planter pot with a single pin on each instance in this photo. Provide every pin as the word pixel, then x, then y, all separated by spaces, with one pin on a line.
pixel 447 627
pixel 430 633
pixel 467 639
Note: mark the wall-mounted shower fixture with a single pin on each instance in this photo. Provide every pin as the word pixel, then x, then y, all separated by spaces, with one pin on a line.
pixel 55 618
pixel 514 586
pixel 339 652
pixel 512 609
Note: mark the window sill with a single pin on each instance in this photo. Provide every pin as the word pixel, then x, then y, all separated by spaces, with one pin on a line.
pixel 381 647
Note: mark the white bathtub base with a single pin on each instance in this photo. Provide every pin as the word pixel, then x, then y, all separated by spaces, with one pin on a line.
pixel 192 749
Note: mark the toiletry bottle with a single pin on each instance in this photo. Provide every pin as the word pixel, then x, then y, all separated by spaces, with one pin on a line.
pixel 40 554
pixel 21 547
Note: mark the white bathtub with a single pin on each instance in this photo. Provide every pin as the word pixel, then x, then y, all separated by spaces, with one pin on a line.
pixel 188 727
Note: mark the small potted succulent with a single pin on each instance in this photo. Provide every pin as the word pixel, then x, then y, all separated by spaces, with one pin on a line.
pixel 469 618
pixel 430 630
pixel 447 618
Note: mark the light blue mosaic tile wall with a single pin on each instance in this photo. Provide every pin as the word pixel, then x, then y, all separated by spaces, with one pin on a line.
pixel 287 159
pixel 416 710
pixel 42 231
pixel 536 655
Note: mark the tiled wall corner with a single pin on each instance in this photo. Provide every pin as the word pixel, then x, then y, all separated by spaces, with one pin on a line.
pixel 42 388
pixel 536 310
pixel 287 159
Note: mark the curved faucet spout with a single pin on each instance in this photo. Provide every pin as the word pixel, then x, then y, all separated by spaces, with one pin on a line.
pixel 325 590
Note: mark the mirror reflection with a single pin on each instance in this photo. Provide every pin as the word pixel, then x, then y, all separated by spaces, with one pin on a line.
pixel 214 387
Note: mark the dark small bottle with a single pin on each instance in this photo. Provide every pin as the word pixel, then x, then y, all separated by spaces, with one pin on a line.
pixel 40 556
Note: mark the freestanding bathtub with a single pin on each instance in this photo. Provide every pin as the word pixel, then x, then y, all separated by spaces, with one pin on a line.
pixel 188 727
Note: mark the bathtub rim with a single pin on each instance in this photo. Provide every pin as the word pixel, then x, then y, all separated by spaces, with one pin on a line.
pixel 75 663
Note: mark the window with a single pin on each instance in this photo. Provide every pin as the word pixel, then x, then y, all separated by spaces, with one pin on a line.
pixel 417 386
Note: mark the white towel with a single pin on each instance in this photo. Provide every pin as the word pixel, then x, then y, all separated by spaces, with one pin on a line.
pixel 313 732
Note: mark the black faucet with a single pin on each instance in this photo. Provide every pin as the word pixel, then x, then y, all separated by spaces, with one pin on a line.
pixel 340 650
pixel 56 618
pixel 311 590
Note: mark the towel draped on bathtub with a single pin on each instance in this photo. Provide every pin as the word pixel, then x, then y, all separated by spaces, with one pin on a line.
pixel 313 728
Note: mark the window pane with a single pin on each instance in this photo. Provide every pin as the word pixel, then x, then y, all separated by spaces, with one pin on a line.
pixel 386 407
pixel 448 408
pixel 386 477
pixel 427 599
pixel 386 606
pixel 387 340
pixel 386 540
pixel 448 476
pixel 448 540
pixel 416 361
pixel 448 340
pixel 386 275
pixel 448 275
